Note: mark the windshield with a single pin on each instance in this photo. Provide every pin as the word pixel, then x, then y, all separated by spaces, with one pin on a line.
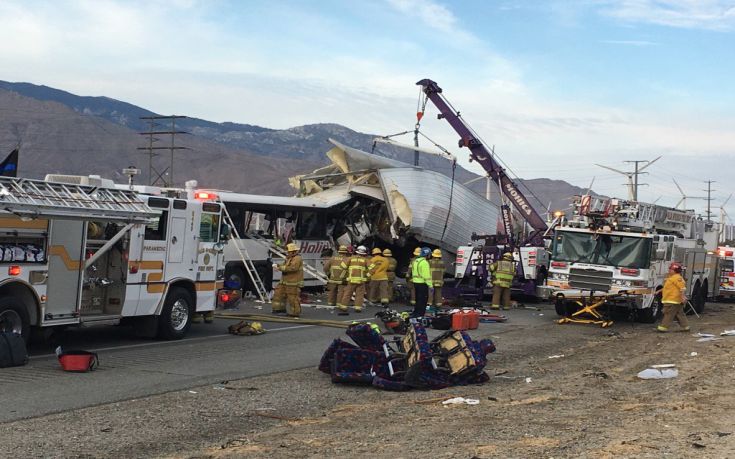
pixel 602 249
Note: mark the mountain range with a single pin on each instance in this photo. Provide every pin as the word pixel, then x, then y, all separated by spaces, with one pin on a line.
pixel 59 132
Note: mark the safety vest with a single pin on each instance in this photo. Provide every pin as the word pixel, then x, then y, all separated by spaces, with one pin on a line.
pixel 392 264
pixel 503 273
pixel 409 272
pixel 436 265
pixel 333 268
pixel 378 268
pixel 420 271
pixel 293 271
pixel 356 268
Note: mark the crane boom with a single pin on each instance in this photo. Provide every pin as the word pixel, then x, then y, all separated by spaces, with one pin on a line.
pixel 480 153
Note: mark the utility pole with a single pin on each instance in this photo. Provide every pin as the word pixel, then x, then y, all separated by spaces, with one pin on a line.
pixel 160 176
pixel 709 198
pixel 633 176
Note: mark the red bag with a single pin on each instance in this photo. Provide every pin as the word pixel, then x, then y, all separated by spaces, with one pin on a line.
pixel 78 361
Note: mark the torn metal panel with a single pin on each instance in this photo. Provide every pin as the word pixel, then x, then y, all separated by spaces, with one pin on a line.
pixel 427 195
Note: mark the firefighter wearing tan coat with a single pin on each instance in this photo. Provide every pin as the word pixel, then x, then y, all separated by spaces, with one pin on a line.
pixel 378 269
pixel 436 266
pixel 337 276
pixel 357 277
pixel 674 298
pixel 392 265
pixel 409 274
pixel 287 295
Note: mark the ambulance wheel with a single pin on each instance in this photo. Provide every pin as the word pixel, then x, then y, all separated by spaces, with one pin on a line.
pixel 652 314
pixel 175 318
pixel 14 317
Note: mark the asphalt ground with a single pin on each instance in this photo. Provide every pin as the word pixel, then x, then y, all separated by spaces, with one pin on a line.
pixel 132 367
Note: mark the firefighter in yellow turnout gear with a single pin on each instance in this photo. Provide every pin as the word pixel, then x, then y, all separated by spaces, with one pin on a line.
pixel 335 273
pixel 357 277
pixel 409 275
pixel 287 295
pixel 502 272
pixel 378 270
pixel 392 264
pixel 436 266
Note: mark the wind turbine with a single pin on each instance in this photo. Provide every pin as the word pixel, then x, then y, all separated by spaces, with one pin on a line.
pixel 488 184
pixel 683 201
pixel 632 176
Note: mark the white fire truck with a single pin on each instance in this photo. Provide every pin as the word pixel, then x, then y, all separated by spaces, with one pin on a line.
pixel 83 251
pixel 622 249
pixel 727 271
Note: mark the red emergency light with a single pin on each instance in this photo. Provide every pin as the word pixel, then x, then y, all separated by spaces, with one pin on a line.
pixel 205 196
pixel 14 270
pixel 629 271
pixel 558 264
pixel 224 297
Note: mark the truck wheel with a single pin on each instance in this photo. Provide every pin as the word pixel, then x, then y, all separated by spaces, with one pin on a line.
pixel 699 298
pixel 175 318
pixel 14 317
pixel 565 308
pixel 652 314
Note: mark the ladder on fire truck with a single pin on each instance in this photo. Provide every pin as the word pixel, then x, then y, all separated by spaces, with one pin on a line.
pixel 278 250
pixel 31 199
pixel 247 261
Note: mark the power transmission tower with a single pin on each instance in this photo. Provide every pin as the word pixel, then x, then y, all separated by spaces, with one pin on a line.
pixel 709 199
pixel 633 176
pixel 157 175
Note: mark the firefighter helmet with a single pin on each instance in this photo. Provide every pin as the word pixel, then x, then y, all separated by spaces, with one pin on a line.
pixel 437 253
pixel 387 253
pixel 377 251
pixel 362 250
pixel 508 256
pixel 417 251
pixel 292 247
pixel 676 267
pixel 342 249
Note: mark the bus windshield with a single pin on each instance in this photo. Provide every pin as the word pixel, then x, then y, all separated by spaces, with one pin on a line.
pixel 602 249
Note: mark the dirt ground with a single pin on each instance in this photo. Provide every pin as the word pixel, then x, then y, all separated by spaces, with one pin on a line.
pixel 586 403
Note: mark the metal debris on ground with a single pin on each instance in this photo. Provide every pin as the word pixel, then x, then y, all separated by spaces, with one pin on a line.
pixel 556 356
pixel 658 373
pixel 461 400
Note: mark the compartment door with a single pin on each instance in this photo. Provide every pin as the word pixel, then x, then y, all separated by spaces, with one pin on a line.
pixel 66 259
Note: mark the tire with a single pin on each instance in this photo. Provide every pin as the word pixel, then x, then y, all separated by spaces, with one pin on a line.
pixel 652 314
pixel 699 299
pixel 14 317
pixel 565 308
pixel 175 318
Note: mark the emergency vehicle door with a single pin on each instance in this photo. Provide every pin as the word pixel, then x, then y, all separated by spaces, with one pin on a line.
pixel 209 256
pixel 177 263
pixel 65 268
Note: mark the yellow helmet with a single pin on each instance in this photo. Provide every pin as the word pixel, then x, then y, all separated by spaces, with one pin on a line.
pixel 292 247
pixel 436 253
pixel 342 249
pixel 387 253
pixel 417 251
pixel 507 256
pixel 377 251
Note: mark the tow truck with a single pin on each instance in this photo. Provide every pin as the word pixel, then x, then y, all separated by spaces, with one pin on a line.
pixel 618 252
pixel 472 261
pixel 82 251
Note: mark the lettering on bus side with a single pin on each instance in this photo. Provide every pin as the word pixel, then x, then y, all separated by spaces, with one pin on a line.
pixel 313 247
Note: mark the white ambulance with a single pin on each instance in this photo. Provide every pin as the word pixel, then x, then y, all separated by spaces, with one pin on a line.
pixel 83 251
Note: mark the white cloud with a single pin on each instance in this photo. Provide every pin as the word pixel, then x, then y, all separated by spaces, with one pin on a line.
pixel 691 14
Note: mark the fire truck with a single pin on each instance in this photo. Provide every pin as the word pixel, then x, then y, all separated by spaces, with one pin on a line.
pixel 621 250
pixel 727 271
pixel 531 253
pixel 82 251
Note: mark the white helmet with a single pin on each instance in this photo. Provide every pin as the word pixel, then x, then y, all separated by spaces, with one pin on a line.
pixel 362 250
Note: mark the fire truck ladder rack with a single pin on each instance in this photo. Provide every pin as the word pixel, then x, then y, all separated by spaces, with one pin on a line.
pixel 247 261
pixel 28 198
pixel 282 253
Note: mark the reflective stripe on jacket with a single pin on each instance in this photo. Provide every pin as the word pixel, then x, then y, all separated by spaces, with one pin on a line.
pixel 503 273
pixel 356 269
pixel 437 272
pixel 333 268
pixel 420 271
pixel 392 264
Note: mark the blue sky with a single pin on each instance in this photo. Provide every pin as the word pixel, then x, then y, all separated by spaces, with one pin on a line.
pixel 556 86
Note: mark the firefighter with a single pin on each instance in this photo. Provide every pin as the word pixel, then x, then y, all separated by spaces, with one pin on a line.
pixel 289 289
pixel 336 275
pixel 502 272
pixel 674 298
pixel 371 292
pixel 409 281
pixel 421 278
pixel 436 266
pixel 392 264
pixel 357 276
pixel 378 270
